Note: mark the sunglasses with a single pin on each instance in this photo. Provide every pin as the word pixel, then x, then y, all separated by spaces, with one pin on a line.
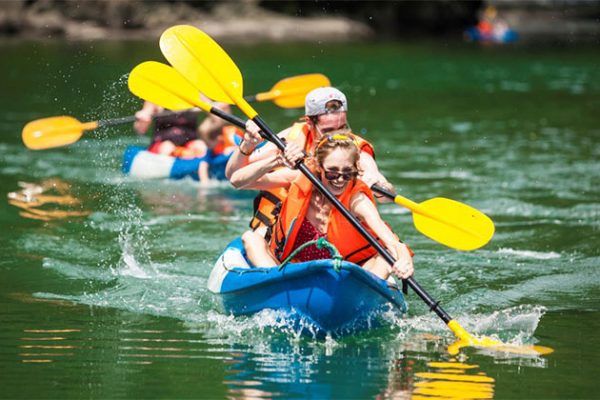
pixel 334 175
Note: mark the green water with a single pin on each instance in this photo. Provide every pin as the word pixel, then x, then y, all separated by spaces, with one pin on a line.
pixel 114 304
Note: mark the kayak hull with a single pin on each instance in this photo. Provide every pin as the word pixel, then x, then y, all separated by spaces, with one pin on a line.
pixel 473 34
pixel 140 163
pixel 312 293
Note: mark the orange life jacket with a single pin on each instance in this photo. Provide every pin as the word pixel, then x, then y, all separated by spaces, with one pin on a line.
pixel 227 139
pixel 267 202
pixel 350 243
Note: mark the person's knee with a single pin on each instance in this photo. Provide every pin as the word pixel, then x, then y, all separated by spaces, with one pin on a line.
pixel 247 237
pixel 252 239
pixel 378 266
pixel 166 147
pixel 198 147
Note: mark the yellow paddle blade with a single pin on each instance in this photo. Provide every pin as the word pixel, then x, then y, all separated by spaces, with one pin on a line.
pixel 161 84
pixel 291 92
pixel 466 340
pixel 202 62
pixel 450 222
pixel 52 132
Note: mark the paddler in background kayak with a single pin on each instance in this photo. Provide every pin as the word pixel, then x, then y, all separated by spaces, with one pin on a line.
pixel 325 111
pixel 306 214
pixel 174 134
pixel 180 135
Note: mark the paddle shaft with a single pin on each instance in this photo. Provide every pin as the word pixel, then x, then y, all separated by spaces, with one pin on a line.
pixel 132 118
pixel 433 305
pixel 219 113
pixel 383 191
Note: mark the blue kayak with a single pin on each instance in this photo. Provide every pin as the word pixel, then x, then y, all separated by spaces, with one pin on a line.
pixel 473 34
pixel 330 300
pixel 140 163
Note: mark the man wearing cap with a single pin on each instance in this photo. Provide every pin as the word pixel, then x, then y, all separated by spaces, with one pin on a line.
pixel 325 111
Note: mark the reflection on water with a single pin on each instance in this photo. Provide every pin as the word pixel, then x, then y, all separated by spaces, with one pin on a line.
pixel 187 197
pixel 453 380
pixel 47 345
pixel 400 381
pixel 32 199
pixel 132 346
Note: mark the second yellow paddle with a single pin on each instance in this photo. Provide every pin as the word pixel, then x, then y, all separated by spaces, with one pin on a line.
pixel 51 132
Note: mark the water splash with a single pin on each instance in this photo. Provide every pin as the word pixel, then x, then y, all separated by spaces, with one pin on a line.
pixel 529 254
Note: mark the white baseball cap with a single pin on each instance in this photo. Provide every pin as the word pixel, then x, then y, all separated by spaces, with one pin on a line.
pixel 317 98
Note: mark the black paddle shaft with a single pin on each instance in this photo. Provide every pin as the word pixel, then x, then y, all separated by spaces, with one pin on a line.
pixel 433 305
pixel 383 191
pixel 228 117
pixel 116 121
pixel 219 113
pixel 132 118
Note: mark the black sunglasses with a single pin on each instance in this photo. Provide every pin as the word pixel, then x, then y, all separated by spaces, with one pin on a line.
pixel 334 175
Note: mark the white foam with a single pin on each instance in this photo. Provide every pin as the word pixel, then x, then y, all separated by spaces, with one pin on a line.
pixel 538 255
pixel 132 267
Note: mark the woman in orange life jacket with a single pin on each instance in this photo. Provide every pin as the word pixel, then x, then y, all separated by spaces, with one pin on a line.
pixel 325 111
pixel 307 215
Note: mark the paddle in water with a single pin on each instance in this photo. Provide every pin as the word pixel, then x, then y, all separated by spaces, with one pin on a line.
pixel 51 132
pixel 204 63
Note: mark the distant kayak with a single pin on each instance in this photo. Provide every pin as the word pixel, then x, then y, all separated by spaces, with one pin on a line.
pixel 140 163
pixel 313 293
pixel 474 34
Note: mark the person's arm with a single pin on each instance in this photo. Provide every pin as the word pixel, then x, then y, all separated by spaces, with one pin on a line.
pixel 266 173
pixel 363 208
pixel 203 175
pixel 247 153
pixel 212 122
pixel 250 174
pixel 143 118
pixel 372 176
pixel 259 175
